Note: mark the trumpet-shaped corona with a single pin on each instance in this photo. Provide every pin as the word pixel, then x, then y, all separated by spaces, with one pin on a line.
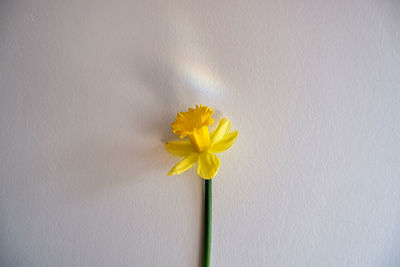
pixel 202 145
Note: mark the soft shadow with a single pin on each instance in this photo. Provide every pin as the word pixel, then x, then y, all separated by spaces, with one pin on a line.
pixel 95 167
pixel 164 83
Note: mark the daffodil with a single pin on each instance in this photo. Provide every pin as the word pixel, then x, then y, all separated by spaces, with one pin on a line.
pixel 200 145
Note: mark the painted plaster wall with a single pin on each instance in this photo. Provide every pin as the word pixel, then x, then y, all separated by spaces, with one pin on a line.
pixel 88 92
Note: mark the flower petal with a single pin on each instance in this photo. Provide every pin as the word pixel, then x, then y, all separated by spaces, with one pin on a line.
pixel 225 143
pixel 184 164
pixel 208 165
pixel 223 127
pixel 179 148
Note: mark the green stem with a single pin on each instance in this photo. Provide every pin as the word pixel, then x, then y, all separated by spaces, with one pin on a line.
pixel 207 223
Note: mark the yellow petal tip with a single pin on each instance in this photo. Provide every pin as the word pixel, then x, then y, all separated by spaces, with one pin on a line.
pixel 208 165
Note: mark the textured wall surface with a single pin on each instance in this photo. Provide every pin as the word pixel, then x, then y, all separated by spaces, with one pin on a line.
pixel 88 92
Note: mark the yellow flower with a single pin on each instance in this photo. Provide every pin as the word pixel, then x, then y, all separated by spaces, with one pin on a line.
pixel 202 145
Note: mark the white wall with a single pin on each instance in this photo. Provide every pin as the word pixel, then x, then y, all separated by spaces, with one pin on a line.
pixel 88 92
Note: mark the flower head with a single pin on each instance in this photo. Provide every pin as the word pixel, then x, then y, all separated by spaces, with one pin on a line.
pixel 193 120
pixel 202 145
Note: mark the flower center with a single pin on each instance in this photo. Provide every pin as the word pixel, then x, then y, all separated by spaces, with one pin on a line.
pixel 191 121
pixel 200 139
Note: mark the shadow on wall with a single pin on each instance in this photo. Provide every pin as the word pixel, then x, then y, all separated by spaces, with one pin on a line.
pixel 157 88
pixel 163 82
pixel 97 164
pixel 159 93
pixel 394 16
